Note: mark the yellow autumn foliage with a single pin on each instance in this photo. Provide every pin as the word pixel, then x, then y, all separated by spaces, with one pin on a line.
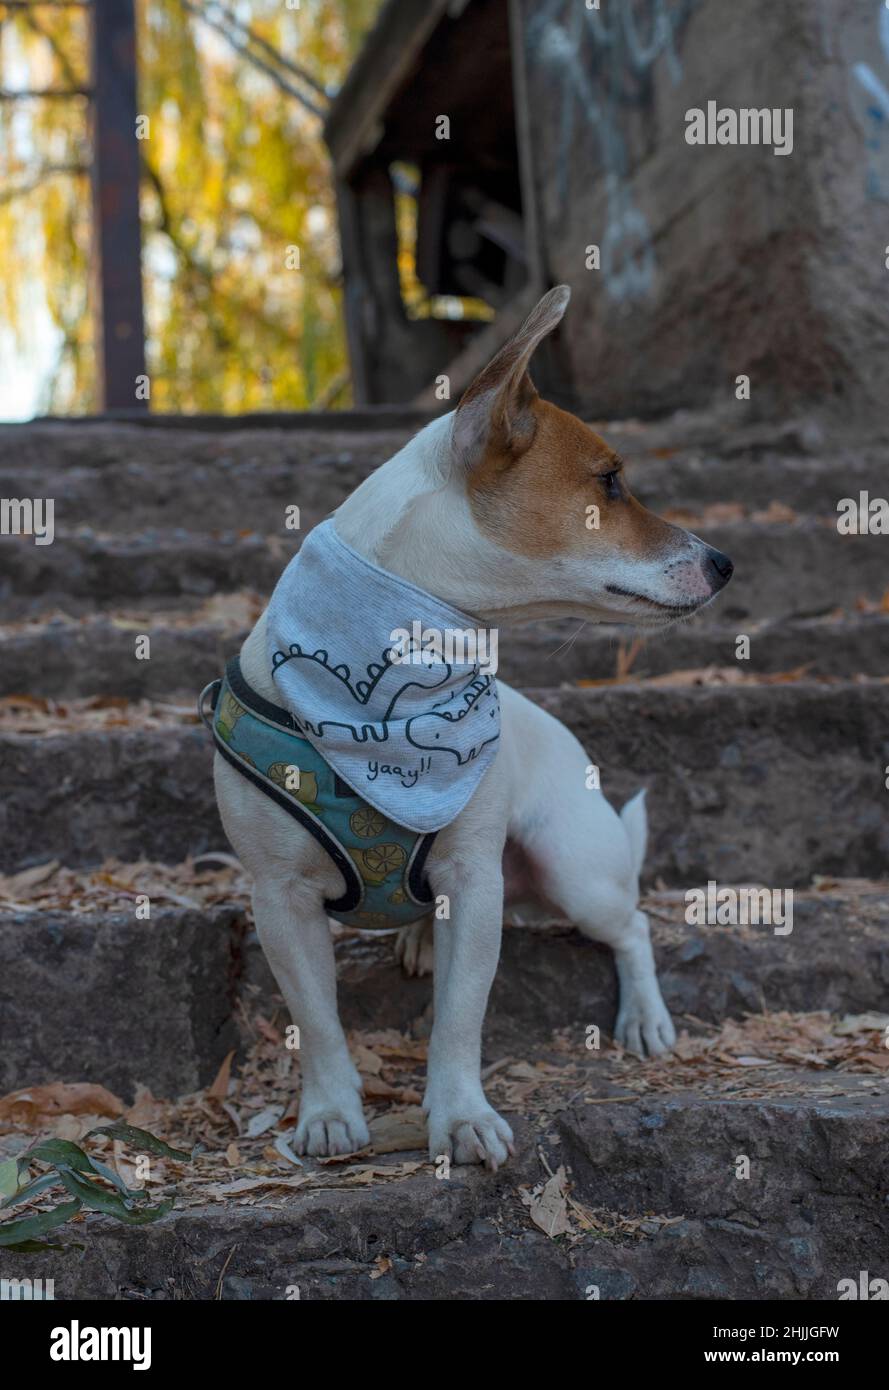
pixel 235 176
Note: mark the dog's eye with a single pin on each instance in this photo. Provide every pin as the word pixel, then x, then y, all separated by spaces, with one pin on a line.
pixel 611 484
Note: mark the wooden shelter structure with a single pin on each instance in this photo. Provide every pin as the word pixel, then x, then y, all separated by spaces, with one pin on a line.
pixel 549 144
pixel 436 86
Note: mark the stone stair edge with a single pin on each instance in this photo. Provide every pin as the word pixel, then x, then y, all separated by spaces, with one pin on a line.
pixel 411 1235
pixel 215 980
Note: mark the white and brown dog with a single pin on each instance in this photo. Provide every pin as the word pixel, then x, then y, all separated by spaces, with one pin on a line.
pixel 488 509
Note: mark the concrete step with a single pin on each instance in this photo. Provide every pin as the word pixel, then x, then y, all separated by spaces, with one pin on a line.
pixel 818 1166
pixel 85 573
pixel 71 658
pixel 112 475
pixel 421 1239
pixel 782 1233
pixel 798 570
pixel 727 768
pixel 176 993
pixel 101 996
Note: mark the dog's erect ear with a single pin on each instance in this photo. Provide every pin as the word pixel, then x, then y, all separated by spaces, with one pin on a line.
pixel 495 412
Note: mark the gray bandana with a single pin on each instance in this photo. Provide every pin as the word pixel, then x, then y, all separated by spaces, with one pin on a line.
pixel 408 728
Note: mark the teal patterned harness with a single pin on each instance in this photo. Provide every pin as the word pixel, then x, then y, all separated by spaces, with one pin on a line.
pixel 382 863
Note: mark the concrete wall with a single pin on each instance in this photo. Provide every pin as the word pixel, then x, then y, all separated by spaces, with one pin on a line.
pixel 716 260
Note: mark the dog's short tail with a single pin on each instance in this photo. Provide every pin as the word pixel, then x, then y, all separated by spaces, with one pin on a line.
pixel 635 822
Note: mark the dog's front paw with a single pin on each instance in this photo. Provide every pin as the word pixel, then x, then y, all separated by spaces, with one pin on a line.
pixel 644 1025
pixel 469 1133
pixel 328 1127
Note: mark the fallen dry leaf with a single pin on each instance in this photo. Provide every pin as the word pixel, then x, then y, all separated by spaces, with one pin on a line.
pixel 398 1131
pixel 861 1023
pixel 16 884
pixel 146 1110
pixel 377 1089
pixel 115 885
pixel 548 1204
pixel 369 1063
pixel 264 1121
pixel 58 1098
pixel 268 1030
pixel 219 1088
pixel 366 1173
pixel 218 1191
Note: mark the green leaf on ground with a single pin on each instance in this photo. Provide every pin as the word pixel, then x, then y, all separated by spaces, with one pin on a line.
pixel 31 1189
pixel 9 1177
pixel 100 1199
pixel 139 1139
pixel 14 1232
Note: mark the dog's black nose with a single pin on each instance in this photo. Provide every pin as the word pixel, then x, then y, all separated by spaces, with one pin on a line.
pixel 718 568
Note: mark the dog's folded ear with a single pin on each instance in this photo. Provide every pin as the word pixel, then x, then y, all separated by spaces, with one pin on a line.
pixel 495 414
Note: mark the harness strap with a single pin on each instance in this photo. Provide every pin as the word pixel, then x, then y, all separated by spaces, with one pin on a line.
pixel 254 702
pixel 213 690
pixel 280 718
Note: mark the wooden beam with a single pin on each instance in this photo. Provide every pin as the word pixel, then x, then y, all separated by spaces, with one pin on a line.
pixel 390 51
pixel 355 291
pixel 117 242
pixel 525 138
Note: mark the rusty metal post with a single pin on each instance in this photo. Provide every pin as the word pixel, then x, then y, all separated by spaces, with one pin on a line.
pixel 117 244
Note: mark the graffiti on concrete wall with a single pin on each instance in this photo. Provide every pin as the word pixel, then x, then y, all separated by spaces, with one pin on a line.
pixel 600 64
pixel 875 119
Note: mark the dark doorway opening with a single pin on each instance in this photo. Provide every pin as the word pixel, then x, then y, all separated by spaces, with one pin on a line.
pixel 438 261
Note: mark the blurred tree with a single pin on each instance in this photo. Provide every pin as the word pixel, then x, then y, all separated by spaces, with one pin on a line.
pixel 240 246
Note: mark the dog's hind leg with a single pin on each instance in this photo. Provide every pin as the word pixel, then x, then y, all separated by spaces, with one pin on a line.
pixel 292 878
pixel 586 859
pixel 584 865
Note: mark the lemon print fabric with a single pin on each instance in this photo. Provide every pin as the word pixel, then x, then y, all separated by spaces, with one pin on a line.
pixel 367 822
pixel 228 714
pixel 304 786
pixel 379 861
